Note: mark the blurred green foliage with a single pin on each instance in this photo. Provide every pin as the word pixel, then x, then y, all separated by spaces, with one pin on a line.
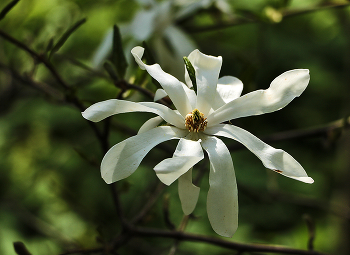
pixel 51 194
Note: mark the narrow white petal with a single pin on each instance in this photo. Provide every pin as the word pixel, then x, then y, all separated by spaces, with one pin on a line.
pixel 170 169
pixel 104 109
pixel 274 159
pixel 125 157
pixel 170 84
pixel 207 73
pixel 228 89
pixel 281 92
pixel 149 124
pixel 187 154
pixel 188 192
pixel 142 26
pixel 160 93
pixel 222 200
pixel 103 49
pixel 180 42
pixel 192 97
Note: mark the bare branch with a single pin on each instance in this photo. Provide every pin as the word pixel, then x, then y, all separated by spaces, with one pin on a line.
pixel 36 56
pixel 178 235
pixel 243 20
pixel 323 131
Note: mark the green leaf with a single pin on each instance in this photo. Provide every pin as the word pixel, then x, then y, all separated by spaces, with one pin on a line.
pixel 49 46
pixel 118 57
pixel 66 35
pixel 109 67
pixel 191 72
pixel 148 56
pixel 20 248
pixel 8 8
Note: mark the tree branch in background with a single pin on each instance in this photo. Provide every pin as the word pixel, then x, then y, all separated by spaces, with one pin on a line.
pixel 35 55
pixel 331 130
pixel 255 19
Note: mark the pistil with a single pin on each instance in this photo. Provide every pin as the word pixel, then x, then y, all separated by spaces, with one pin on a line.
pixel 195 121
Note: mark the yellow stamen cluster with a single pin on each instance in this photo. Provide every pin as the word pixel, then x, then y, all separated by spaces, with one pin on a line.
pixel 195 121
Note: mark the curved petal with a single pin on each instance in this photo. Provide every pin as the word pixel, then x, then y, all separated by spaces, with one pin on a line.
pixel 192 97
pixel 149 124
pixel 187 154
pixel 170 169
pixel 170 84
pixel 160 93
pixel 281 92
pixel 274 159
pixel 222 200
pixel 125 157
pixel 104 109
pixel 228 89
pixel 207 73
pixel 188 192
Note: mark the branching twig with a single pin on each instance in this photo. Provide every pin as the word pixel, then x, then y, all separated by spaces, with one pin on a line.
pixel 323 131
pixel 150 202
pixel 242 20
pixel 178 235
pixel 35 55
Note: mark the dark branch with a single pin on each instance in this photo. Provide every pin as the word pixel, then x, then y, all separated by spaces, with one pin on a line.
pixel 242 20
pixel 36 56
pixel 178 235
pixel 323 131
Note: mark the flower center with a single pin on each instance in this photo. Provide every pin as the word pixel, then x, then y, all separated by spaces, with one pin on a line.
pixel 195 121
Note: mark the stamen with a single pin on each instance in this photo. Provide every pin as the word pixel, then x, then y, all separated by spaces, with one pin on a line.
pixel 195 121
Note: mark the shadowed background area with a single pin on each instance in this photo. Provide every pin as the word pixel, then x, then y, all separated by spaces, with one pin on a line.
pixel 53 57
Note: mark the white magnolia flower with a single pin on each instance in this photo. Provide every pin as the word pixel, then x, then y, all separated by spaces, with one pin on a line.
pixel 155 22
pixel 197 123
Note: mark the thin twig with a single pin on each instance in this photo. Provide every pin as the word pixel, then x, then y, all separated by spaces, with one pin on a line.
pixel 323 131
pixel 242 20
pixel 150 202
pixel 178 235
pixel 311 229
pixel 36 56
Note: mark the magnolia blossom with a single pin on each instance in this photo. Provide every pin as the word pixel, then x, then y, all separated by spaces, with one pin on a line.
pixel 197 122
pixel 155 23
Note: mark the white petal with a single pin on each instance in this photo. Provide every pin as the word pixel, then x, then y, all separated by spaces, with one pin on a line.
pixel 187 154
pixel 103 49
pixel 160 93
pixel 104 109
pixel 222 200
pixel 170 84
pixel 142 25
pixel 149 124
pixel 207 74
pixel 188 192
pixel 228 89
pixel 275 159
pixel 281 92
pixel 166 58
pixel 180 42
pixel 125 157
pixel 170 169
pixel 192 97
